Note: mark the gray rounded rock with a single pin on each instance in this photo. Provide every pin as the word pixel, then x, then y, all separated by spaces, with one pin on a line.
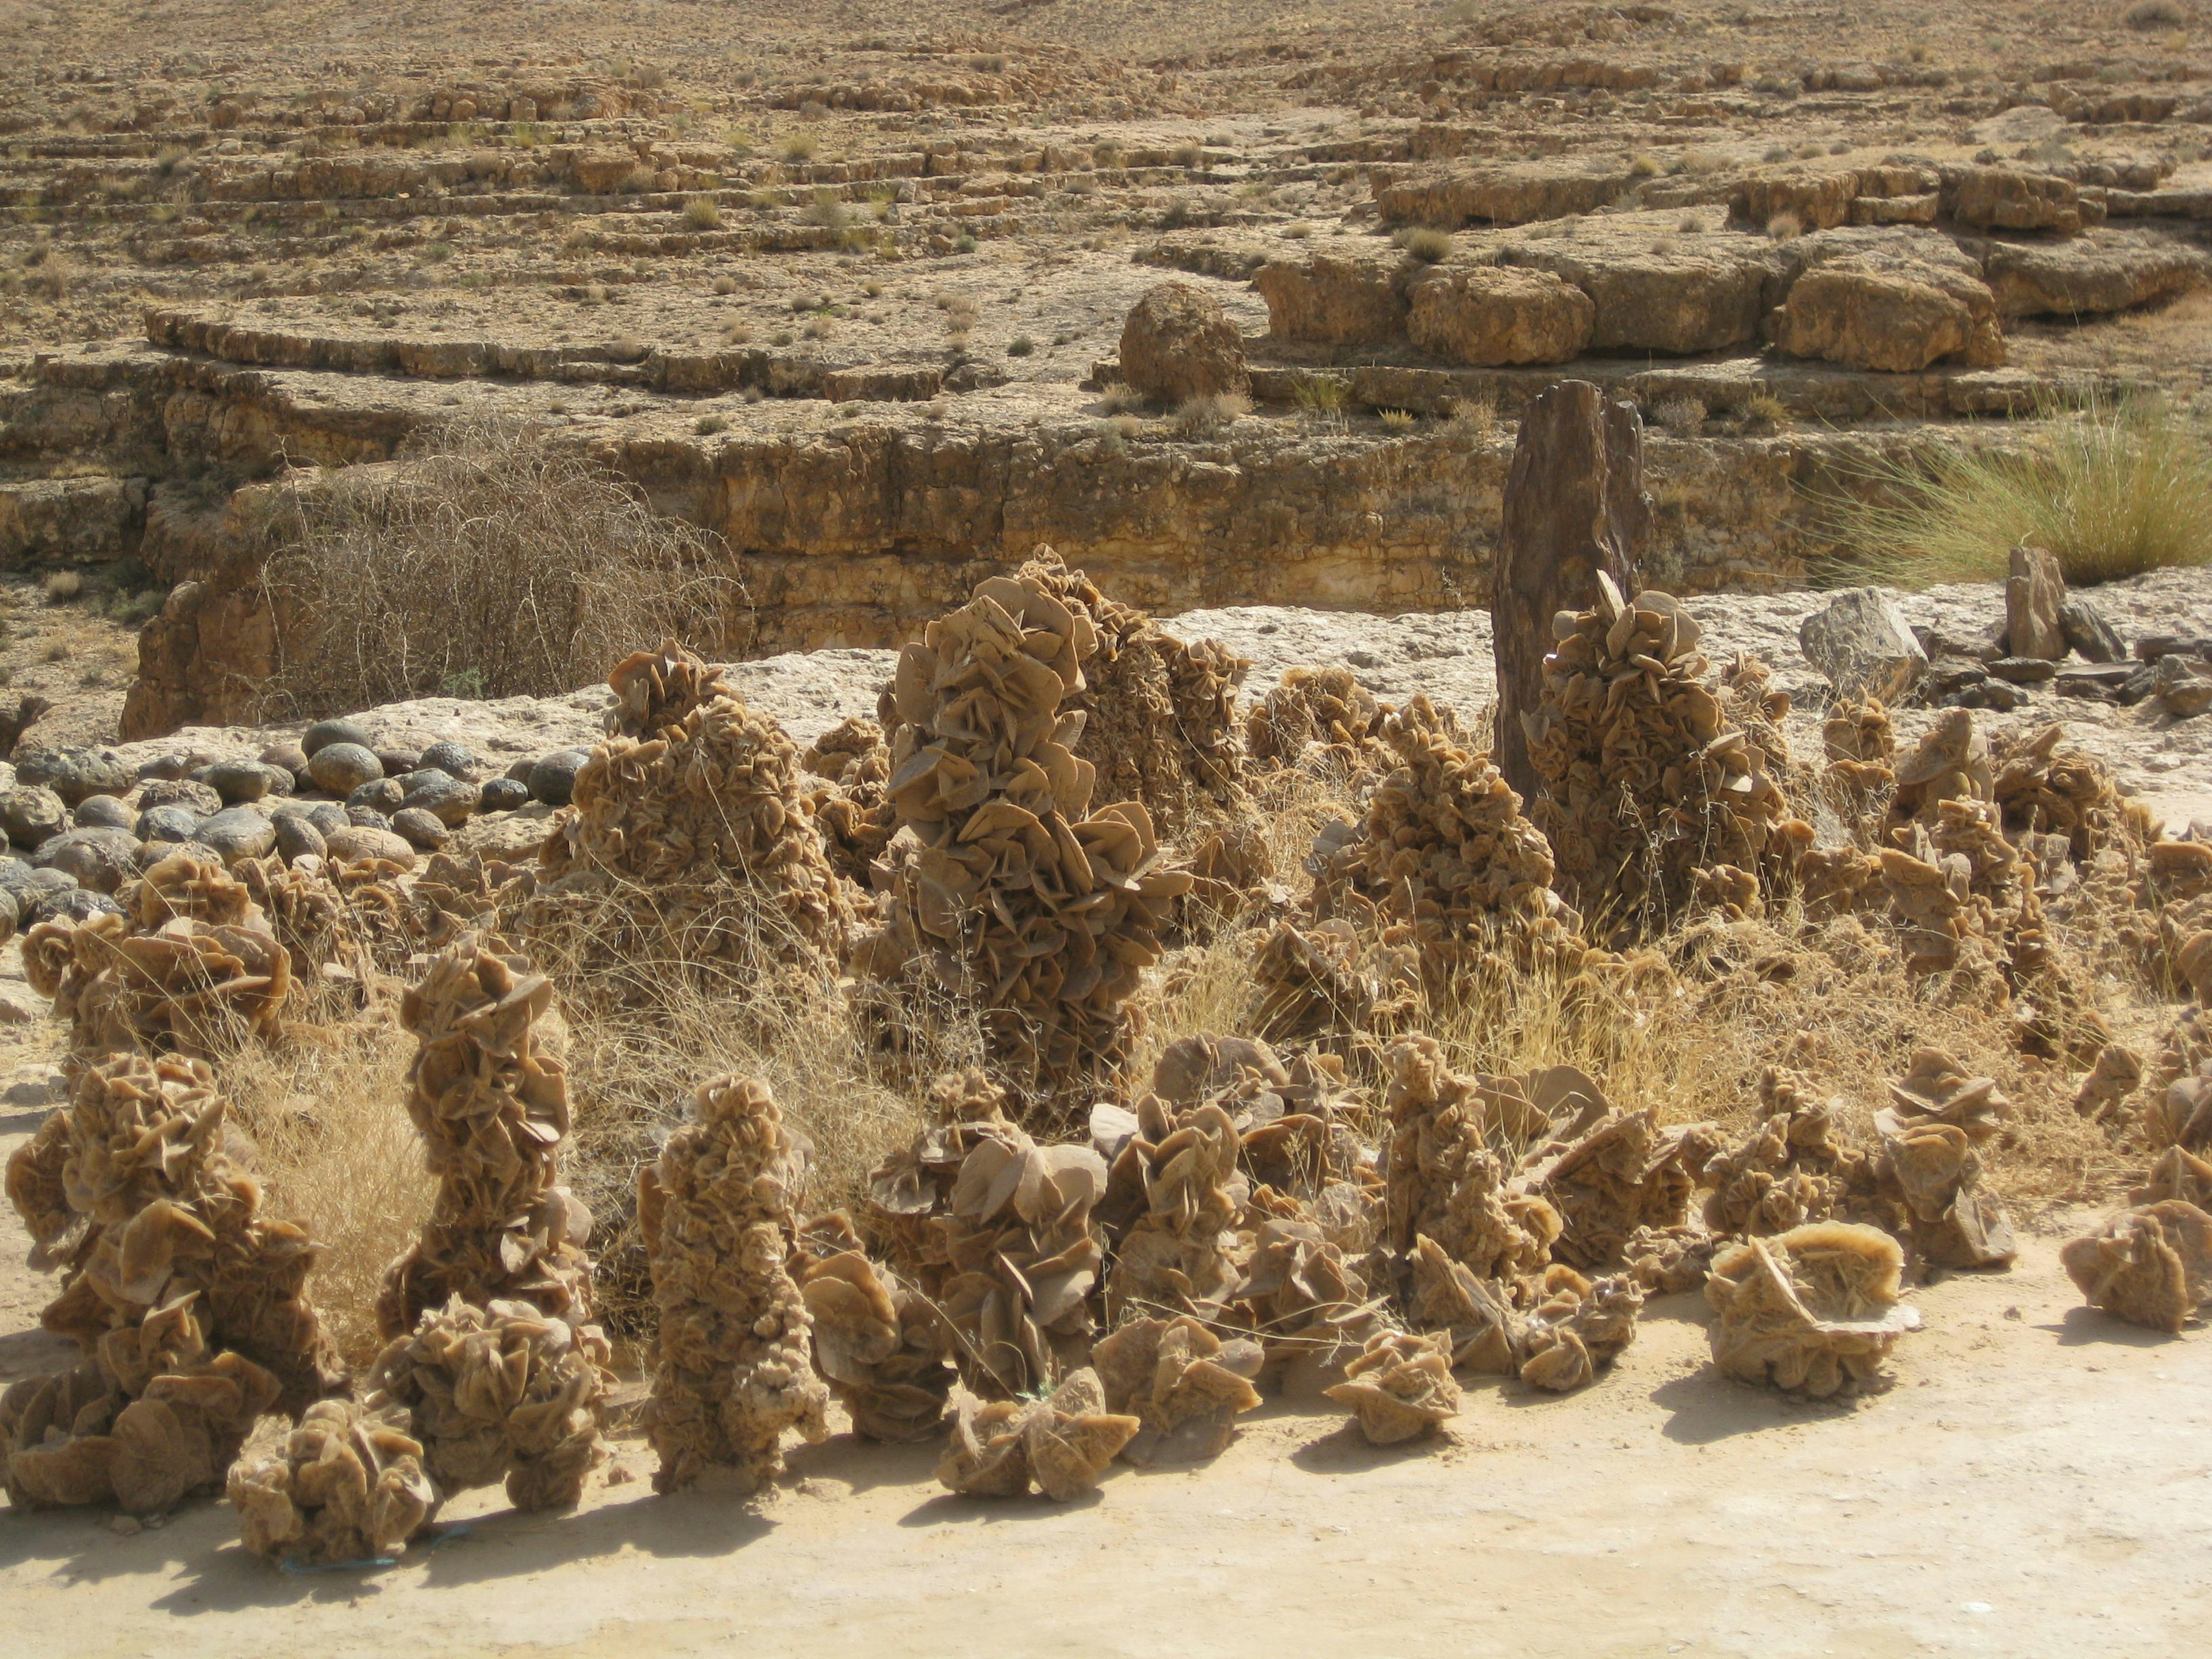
pixel 281 782
pixel 155 851
pixel 74 774
pixel 323 733
pixel 297 837
pixel 74 904
pixel 103 812
pixel 195 798
pixel 503 795
pixel 289 755
pixel 553 779
pixel 383 794
pixel 520 771
pixel 31 813
pixel 165 768
pixel 356 841
pixel 365 818
pixel 423 827
pixel 328 816
pixel 168 824
pixel 451 757
pixel 18 887
pixel 239 832
pixel 101 860
pixel 342 767
pixel 399 762
pixel 237 781
pixel 446 798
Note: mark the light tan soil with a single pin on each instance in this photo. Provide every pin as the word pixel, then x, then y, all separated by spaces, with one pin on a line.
pixel 2037 1482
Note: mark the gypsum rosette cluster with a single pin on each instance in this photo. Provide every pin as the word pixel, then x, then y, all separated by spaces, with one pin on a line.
pixel 1814 1310
pixel 1062 1442
pixel 1008 890
pixel 1321 720
pixel 1963 900
pixel 882 1345
pixel 1327 982
pixel 1928 1173
pixel 1789 1170
pixel 188 1304
pixel 2150 1266
pixel 692 813
pixel 732 1361
pixel 1160 713
pixel 502 1393
pixel 188 965
pixel 852 809
pixel 1445 862
pixel 492 1107
pixel 2046 786
pixel 344 1485
pixel 1646 788
pixel 1860 746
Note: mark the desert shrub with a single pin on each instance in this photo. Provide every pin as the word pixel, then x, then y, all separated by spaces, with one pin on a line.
pixel 801 146
pixel 492 550
pixel 1426 243
pixel 2117 489
pixel 1211 413
pixel 2154 14
pixel 1322 395
pixel 1398 420
pixel 700 213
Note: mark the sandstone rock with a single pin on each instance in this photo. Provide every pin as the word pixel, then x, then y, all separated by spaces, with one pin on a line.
pixel 1895 317
pixel 1818 201
pixel 2182 685
pixel 74 774
pixel 288 756
pixel 1861 641
pixel 1177 344
pixel 343 766
pixel 2092 638
pixel 239 832
pixel 1333 301
pixel 355 842
pixel 423 827
pixel 194 798
pixel 2035 592
pixel 1483 315
pixel 1920 209
pixel 2005 198
pixel 2072 279
pixel 1514 194
pixel 237 781
pixel 1681 302
pixel 1575 507
pixel 383 795
pixel 100 860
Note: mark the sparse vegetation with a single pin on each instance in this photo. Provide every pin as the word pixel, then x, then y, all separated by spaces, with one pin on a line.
pixel 1196 416
pixel 1425 244
pixel 700 212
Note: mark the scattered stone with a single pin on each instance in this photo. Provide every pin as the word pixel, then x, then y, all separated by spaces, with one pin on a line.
pixel 398 762
pixel 289 755
pixel 1177 344
pixel 1993 695
pixel 504 795
pixel 100 860
pixel 553 777
pixel 384 795
pixel 323 733
pixel 237 781
pixel 72 904
pixel 1482 315
pixel 297 837
pixel 2024 671
pixel 366 817
pixel 102 812
pixel 328 816
pixel 357 841
pixel 423 827
pixel 32 814
pixel 74 774
pixel 1862 642
pixel 239 832
pixel 2182 685
pixel 449 756
pixel 195 798
pixel 342 767
pixel 2086 630
pixel 2034 592
pixel 168 824
pixel 2151 646
pixel 1985 644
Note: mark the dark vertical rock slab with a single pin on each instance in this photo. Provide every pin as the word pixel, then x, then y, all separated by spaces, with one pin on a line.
pixel 1575 505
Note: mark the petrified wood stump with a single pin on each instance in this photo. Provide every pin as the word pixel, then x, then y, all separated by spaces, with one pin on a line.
pixel 1575 505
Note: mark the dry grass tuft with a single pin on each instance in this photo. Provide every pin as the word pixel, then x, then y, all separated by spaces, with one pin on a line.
pixel 495 559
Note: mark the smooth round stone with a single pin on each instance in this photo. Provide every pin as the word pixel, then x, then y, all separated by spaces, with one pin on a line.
pixel 504 795
pixel 342 767
pixel 195 798
pixel 409 782
pixel 451 757
pixel 297 837
pixel 328 816
pixel 168 824
pixel 237 781
pixel 444 796
pixel 398 762
pixel 239 832
pixel 289 755
pixel 423 827
pixel 359 841
pixel 74 774
pixel 383 794
pixel 323 733
pixel 31 814
pixel 102 860
pixel 76 904
pixel 103 812
pixel 281 782
pixel 520 771
pixel 19 886
pixel 363 818
pixel 165 768
pixel 553 779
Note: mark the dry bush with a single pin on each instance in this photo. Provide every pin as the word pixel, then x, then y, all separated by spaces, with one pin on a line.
pixel 700 213
pixel 1425 244
pixel 495 561
pixel 1209 412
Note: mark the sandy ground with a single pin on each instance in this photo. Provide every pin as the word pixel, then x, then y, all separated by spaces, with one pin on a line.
pixel 2038 1481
